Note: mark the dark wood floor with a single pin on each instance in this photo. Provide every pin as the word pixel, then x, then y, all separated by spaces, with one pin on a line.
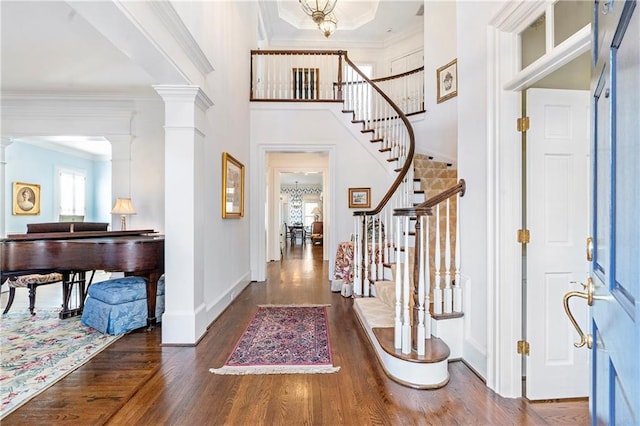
pixel 136 381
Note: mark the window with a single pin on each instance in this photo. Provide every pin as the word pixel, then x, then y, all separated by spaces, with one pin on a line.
pixel 305 83
pixel 309 205
pixel 72 187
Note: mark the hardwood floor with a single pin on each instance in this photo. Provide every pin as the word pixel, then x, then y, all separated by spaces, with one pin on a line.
pixel 136 381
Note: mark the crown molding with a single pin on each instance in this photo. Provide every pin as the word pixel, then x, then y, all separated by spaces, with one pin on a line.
pixel 181 34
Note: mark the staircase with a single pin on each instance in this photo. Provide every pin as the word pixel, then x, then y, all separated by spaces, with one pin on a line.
pixel 407 279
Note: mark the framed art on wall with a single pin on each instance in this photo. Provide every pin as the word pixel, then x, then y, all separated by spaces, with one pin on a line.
pixel 232 187
pixel 359 198
pixel 447 81
pixel 26 198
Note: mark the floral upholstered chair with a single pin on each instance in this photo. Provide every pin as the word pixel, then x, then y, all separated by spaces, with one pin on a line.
pixel 31 281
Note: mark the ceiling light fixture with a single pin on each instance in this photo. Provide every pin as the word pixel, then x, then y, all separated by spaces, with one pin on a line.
pixel 318 9
pixel 329 25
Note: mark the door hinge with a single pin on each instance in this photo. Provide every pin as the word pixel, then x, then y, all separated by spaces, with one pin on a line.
pixel 524 236
pixel 523 347
pixel 523 124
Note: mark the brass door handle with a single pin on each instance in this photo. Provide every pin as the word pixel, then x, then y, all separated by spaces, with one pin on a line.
pixel 588 295
pixel 589 249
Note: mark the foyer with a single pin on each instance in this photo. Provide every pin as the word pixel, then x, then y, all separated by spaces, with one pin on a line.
pixel 138 381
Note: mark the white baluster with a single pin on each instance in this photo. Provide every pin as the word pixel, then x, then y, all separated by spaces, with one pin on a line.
pixel 406 319
pixel 380 252
pixel 357 284
pixel 437 291
pixel 367 257
pixel 398 279
pixel 427 280
pixel 457 289
pixel 420 344
pixel 448 293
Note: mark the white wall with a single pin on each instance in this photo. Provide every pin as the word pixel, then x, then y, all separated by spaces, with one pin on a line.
pixel 472 22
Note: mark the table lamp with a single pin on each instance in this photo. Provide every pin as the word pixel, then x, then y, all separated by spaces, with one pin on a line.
pixel 316 213
pixel 123 207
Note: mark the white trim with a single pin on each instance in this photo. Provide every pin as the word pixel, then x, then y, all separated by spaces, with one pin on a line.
pixel 504 275
pixel 176 27
pixel 562 54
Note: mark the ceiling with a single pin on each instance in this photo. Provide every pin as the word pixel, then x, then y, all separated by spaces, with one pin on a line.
pixel 47 47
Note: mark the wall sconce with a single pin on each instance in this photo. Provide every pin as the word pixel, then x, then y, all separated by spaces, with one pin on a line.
pixel 123 207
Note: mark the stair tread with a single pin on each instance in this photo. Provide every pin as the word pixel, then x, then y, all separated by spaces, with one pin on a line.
pixel 435 349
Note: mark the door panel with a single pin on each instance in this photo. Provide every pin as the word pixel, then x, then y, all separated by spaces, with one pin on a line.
pixel 615 394
pixel 558 219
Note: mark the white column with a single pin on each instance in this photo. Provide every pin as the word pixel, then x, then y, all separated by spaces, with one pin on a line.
pixel 4 143
pixel 184 320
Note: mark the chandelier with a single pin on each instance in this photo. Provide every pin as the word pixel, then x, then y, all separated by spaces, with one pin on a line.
pixel 329 25
pixel 318 9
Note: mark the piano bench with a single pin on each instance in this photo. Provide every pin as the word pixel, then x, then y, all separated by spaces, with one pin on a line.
pixel 119 305
pixel 31 281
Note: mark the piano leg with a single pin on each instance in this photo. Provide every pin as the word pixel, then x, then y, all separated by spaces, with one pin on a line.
pixel 152 293
pixel 71 278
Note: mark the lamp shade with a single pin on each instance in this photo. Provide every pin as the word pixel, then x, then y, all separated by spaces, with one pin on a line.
pixel 316 211
pixel 123 206
pixel 328 25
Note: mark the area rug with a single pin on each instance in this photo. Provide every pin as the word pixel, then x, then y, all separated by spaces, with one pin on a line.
pixel 39 350
pixel 283 339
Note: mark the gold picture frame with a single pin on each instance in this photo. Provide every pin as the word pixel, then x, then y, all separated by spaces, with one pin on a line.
pixel 26 198
pixel 232 187
pixel 359 198
pixel 447 81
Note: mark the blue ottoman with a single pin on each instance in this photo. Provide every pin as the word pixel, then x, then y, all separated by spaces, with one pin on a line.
pixel 119 305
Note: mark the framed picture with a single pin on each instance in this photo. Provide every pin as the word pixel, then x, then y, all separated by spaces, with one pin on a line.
pixel 26 198
pixel 232 187
pixel 447 81
pixel 359 198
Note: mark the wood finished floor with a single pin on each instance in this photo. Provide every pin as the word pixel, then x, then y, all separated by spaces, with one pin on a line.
pixel 136 381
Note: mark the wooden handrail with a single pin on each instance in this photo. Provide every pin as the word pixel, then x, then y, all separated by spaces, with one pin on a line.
pixel 298 52
pixel 447 193
pixel 392 77
pixel 412 144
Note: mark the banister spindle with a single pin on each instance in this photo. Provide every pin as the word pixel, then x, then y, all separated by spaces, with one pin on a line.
pixel 406 318
pixel 398 280
pixel 457 289
pixel 437 291
pixel 448 294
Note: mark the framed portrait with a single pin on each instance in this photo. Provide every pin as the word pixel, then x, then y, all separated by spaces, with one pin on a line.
pixel 447 81
pixel 359 198
pixel 26 198
pixel 232 187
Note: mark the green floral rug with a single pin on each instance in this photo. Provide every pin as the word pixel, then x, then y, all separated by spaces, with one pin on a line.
pixel 39 350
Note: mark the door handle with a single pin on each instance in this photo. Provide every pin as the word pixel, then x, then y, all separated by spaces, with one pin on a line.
pixel 589 249
pixel 585 339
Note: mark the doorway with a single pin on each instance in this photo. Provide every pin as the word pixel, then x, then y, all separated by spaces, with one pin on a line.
pixel 297 193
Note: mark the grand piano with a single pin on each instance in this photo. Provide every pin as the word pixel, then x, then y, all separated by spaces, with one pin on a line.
pixel 45 248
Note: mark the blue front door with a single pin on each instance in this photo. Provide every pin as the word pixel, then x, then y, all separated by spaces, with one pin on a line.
pixel 615 327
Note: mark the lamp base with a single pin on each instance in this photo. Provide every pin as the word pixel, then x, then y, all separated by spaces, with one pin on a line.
pixel 123 223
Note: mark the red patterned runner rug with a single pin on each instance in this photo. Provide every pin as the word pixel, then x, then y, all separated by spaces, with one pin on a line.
pixel 283 339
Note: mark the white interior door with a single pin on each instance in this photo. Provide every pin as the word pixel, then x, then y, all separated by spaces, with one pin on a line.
pixel 558 220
